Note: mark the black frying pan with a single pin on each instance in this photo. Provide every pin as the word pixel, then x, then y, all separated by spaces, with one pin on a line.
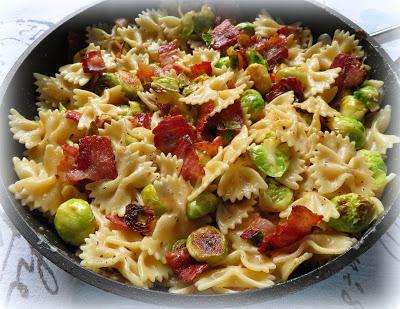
pixel 50 52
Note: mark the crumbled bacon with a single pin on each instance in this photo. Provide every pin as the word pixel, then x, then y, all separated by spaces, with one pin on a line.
pixel 300 223
pixel 201 68
pixel 285 85
pixel 168 53
pixel 141 120
pixel 225 34
pixel 73 115
pixel 211 148
pixel 274 50
pixel 230 119
pixel 183 265
pixel 139 218
pixel 95 160
pixel 203 114
pixel 287 30
pixel 178 69
pixel 257 230
pixel 145 72
pixel 118 223
pixel 242 62
pixel 70 154
pixel 352 73
pixel 92 62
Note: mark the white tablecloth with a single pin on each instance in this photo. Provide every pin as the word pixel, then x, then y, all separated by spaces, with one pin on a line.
pixel 27 280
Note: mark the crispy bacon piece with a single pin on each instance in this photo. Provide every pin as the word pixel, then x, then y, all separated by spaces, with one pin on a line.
pixel 203 67
pixel 69 156
pixel 203 114
pixel 230 118
pixel 225 34
pixel 92 62
pixel 95 160
pixel 257 230
pixel 145 72
pixel 300 223
pixel 183 265
pixel 242 62
pixel 73 115
pixel 141 120
pixel 285 85
pixel 118 223
pixel 191 167
pixel 287 30
pixel 211 148
pixel 274 50
pixel 352 73
pixel 139 218
pixel 168 53
pixel 178 69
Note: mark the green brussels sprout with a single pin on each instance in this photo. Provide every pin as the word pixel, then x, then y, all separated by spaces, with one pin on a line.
pixel 369 94
pixel 350 127
pixel 132 109
pixel 194 24
pixel 187 25
pixel 247 27
pixel 223 62
pixel 165 83
pixel 356 213
pixel 204 204
pixel 254 56
pixel 150 199
pixel 377 166
pixel 276 198
pixel 272 157
pixel 129 139
pixel 297 72
pixel 260 76
pixel 179 244
pixel 351 107
pixel 253 101
pixel 74 221
pixel 130 83
pixel 207 245
pixel 207 38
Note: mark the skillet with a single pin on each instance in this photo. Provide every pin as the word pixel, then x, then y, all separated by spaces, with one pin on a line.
pixel 49 52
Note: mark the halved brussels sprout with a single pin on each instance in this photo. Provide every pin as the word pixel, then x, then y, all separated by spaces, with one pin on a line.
pixel 297 72
pixel 207 245
pixel 253 101
pixel 165 83
pixel 351 107
pixel 132 109
pixel 276 198
pixel 204 204
pixel 150 199
pixel 350 127
pixel 223 62
pixel 369 94
pixel 377 166
pixel 254 56
pixel 272 157
pixel 260 76
pixel 356 213
pixel 74 221
pixel 247 27
pixel 129 82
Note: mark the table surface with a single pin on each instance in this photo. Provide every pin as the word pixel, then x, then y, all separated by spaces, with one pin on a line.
pixel 28 279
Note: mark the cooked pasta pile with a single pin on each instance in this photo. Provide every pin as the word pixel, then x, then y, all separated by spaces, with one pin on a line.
pixel 172 124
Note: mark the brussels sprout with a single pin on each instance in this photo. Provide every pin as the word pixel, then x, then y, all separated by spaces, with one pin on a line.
pixel 129 139
pixel 351 107
pixel 253 101
pixel 223 62
pixel 132 109
pixel 259 75
pixel 272 157
pixel 150 199
pixel 254 56
pixel 247 27
pixel 207 38
pixel 204 204
pixel 179 244
pixel 129 82
pixel 74 221
pixel 207 244
pixel 376 165
pixel 369 94
pixel 356 213
pixel 350 127
pixel 165 83
pixel 187 25
pixel 297 72
pixel 276 198
pixel 196 23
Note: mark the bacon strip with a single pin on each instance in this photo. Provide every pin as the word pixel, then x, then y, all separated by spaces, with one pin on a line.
pixel 93 161
pixel 300 223
pixel 73 115
pixel 168 53
pixel 352 73
pixel 285 85
pixel 203 114
pixel 257 230
pixel 184 266
pixel 92 62
pixel 141 120
pixel 274 50
pixel 203 67
pixel 211 148
pixel 225 34
pixel 286 31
